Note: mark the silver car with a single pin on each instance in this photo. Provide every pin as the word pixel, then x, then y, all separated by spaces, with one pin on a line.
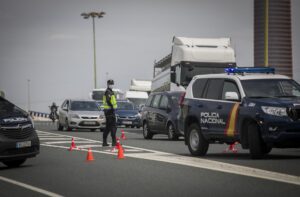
pixel 83 114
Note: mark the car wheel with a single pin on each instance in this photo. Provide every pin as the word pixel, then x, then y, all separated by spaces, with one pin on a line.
pixel 146 132
pixel 171 132
pixel 14 163
pixel 197 144
pixel 59 126
pixel 257 147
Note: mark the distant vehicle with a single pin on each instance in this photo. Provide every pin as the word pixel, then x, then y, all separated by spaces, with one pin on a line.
pixel 97 94
pixel 190 57
pixel 128 115
pixel 137 98
pixel 159 116
pixel 252 106
pixel 18 138
pixel 80 114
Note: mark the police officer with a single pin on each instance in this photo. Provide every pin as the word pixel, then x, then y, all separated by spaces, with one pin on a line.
pixel 110 104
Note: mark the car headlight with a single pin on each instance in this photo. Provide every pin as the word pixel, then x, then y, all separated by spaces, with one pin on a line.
pixel 275 111
pixel 138 115
pixel 101 117
pixel 75 116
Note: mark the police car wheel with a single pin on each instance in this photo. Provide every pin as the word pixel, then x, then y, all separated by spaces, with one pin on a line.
pixel 171 132
pixel 14 163
pixel 197 144
pixel 257 147
pixel 146 132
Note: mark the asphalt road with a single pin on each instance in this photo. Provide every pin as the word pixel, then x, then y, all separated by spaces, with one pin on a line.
pixel 155 167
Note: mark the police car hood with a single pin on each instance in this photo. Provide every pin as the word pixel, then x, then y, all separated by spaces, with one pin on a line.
pixel 275 101
pixel 127 112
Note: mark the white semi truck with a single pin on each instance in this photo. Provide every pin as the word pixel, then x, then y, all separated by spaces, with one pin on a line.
pixel 190 57
pixel 138 92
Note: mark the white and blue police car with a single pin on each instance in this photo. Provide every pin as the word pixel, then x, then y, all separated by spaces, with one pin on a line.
pixel 252 106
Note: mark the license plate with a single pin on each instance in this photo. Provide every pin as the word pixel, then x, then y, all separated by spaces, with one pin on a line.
pixel 23 144
pixel 127 122
pixel 89 123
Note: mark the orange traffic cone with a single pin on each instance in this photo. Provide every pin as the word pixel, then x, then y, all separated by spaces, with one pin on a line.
pixel 123 137
pixel 116 147
pixel 232 148
pixel 121 152
pixel 73 146
pixel 90 156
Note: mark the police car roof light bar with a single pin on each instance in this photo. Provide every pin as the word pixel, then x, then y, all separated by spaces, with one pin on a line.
pixel 242 70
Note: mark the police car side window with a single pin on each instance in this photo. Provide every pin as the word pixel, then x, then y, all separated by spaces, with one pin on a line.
pixel 214 89
pixel 155 102
pixel 198 88
pixel 230 86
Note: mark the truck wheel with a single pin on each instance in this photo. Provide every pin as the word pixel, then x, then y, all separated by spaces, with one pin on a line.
pixel 146 132
pixel 59 126
pixel 197 144
pixel 14 163
pixel 171 132
pixel 257 147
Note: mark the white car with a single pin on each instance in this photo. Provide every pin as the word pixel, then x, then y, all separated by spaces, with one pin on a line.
pixel 80 114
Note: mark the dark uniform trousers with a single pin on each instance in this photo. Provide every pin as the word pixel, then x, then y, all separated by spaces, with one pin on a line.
pixel 110 125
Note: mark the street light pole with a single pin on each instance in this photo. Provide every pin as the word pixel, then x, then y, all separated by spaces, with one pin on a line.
pixel 87 16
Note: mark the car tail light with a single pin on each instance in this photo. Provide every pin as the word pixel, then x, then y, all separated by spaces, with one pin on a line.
pixel 181 99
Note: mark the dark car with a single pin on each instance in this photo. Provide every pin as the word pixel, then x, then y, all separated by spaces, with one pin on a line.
pixel 18 138
pixel 128 115
pixel 160 113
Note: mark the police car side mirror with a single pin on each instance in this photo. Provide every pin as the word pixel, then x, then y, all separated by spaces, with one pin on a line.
pixel 231 96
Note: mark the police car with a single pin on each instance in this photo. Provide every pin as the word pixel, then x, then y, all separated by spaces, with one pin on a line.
pixel 252 106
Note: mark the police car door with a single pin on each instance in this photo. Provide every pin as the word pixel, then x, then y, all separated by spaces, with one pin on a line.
pixel 210 118
pixel 229 108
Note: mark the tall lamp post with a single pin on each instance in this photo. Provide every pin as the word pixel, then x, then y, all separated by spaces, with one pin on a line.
pixel 93 15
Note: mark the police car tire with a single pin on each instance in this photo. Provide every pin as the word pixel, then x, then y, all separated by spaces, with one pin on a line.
pixel 14 163
pixel 257 147
pixel 147 134
pixel 203 144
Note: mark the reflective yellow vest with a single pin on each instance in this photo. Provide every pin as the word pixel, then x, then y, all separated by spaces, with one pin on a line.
pixel 113 101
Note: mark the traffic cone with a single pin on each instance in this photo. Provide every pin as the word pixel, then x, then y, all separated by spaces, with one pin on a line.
pixel 121 152
pixel 90 156
pixel 232 148
pixel 73 146
pixel 123 137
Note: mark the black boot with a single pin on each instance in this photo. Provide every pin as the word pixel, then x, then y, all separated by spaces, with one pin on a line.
pixel 105 143
pixel 113 143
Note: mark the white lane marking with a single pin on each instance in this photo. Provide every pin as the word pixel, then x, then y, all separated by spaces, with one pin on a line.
pixel 69 142
pixel 65 138
pixel 205 164
pixel 32 188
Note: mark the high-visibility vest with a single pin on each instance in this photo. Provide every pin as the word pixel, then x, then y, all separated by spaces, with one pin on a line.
pixel 113 101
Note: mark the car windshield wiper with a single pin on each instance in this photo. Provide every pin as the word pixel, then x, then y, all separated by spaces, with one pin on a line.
pixel 286 96
pixel 258 97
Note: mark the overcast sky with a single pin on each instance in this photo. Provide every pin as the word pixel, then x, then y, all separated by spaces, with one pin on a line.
pixel 48 42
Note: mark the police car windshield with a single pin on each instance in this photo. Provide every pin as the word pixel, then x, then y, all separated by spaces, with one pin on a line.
pixel 7 108
pixel 270 88
pixel 84 106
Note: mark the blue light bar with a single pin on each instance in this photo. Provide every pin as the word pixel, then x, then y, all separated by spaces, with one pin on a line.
pixel 250 70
